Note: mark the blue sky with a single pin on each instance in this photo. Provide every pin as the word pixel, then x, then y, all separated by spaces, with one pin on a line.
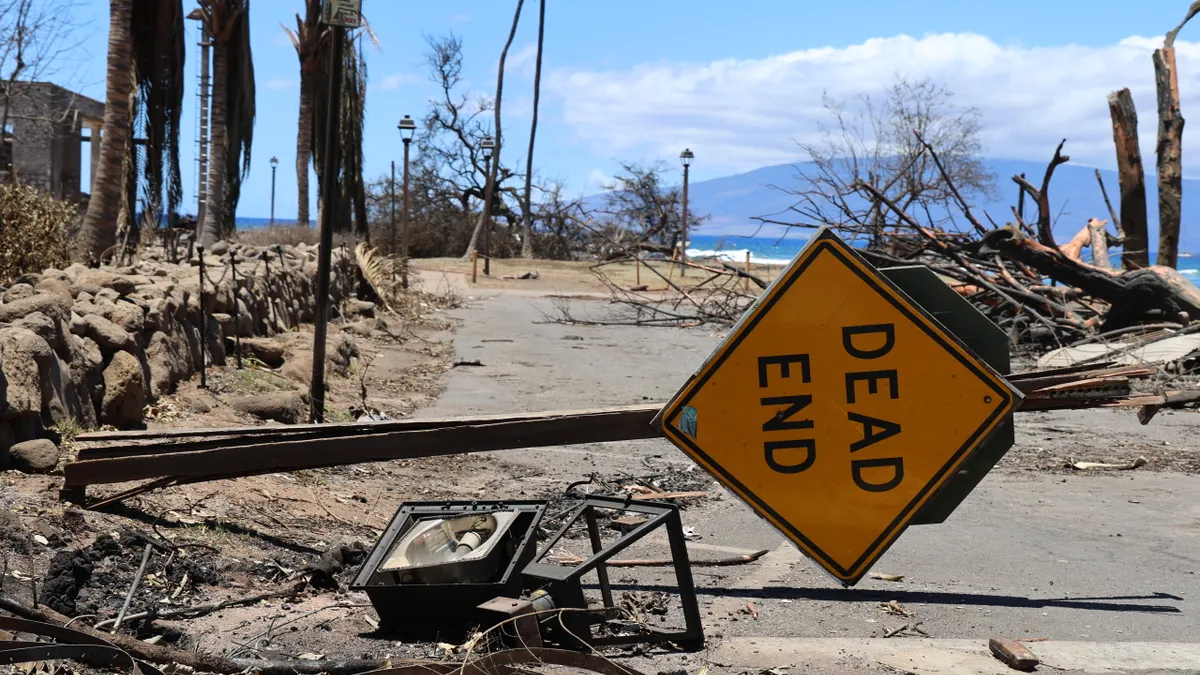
pixel 739 83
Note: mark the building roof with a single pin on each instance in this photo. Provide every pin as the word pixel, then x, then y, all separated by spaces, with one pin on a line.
pixel 62 99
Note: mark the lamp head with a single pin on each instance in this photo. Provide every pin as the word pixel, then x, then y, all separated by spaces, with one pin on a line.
pixel 407 128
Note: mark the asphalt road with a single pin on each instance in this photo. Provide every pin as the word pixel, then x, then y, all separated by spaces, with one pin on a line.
pixel 1103 567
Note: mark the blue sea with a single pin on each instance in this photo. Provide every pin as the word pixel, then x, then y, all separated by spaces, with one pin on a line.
pixel 763 250
pixel 776 251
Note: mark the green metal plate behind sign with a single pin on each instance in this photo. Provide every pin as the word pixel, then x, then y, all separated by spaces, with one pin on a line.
pixel 990 343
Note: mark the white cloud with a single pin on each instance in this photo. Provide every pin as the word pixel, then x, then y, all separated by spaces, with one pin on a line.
pixel 739 115
pixel 280 83
pixel 522 60
pixel 395 80
pixel 596 181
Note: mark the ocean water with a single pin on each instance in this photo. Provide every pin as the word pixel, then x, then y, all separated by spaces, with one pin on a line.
pixel 733 248
pixel 775 251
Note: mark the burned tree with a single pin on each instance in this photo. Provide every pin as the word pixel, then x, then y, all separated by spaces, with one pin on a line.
pixel 1170 145
pixel 873 143
pixel 1131 176
pixel 641 212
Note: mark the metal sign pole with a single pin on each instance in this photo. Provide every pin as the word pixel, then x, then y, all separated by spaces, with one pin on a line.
pixel 329 188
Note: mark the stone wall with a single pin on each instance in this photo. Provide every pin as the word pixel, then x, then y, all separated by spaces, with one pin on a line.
pixel 91 347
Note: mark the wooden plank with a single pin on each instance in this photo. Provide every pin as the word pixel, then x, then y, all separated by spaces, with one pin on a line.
pixel 600 426
pixel 207 439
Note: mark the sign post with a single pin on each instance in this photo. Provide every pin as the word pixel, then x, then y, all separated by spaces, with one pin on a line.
pixel 837 408
pixel 340 14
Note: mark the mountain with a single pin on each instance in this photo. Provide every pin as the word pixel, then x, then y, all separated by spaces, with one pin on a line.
pixel 732 201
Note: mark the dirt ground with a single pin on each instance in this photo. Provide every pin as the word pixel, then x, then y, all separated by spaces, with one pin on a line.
pixel 231 539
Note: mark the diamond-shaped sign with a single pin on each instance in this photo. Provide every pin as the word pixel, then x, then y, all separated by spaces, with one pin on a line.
pixel 837 407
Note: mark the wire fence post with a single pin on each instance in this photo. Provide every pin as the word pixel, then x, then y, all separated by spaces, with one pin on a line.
pixel 203 325
pixel 237 321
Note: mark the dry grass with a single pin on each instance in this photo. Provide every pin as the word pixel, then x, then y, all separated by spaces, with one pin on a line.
pixel 279 235
pixel 36 231
pixel 568 275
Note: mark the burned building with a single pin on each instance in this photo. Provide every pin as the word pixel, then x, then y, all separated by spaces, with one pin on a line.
pixel 43 137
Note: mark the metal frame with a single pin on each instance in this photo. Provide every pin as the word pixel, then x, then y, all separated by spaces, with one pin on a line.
pixel 565 582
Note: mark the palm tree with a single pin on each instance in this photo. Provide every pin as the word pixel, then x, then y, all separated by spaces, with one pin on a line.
pixel 158 43
pixel 308 39
pixel 100 224
pixel 352 199
pixel 232 113
pixel 526 206
pixel 489 191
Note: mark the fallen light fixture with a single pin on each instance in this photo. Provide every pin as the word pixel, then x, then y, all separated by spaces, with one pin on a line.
pixel 440 560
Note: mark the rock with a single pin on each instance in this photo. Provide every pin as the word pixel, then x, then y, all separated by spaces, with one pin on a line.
pixel 127 315
pixel 124 391
pixel 170 360
pixel 87 365
pixel 299 369
pixel 37 456
pixel 356 307
pixel 90 290
pixel 270 352
pixel 40 324
pixel 25 357
pixel 75 269
pixel 6 442
pixel 108 335
pixel 219 248
pixel 49 304
pixel 215 337
pixel 29 278
pixel 78 325
pixel 364 328
pixel 18 292
pixel 284 407
pixel 123 285
pixel 56 286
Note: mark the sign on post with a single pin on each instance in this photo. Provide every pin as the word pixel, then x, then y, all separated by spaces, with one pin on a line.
pixel 837 407
pixel 346 13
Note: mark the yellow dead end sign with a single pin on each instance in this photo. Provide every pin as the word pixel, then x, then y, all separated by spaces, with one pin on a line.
pixel 837 407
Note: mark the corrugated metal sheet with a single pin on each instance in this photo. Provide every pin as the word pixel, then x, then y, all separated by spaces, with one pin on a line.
pixel 1162 351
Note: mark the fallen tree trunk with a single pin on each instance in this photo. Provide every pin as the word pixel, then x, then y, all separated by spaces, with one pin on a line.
pixel 1136 295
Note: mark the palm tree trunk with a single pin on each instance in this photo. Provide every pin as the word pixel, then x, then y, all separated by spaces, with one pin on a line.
pixel 100 224
pixel 527 207
pixel 304 134
pixel 214 214
pixel 489 191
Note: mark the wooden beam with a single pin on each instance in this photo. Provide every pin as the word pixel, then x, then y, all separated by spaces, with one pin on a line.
pixel 548 429
pixel 159 441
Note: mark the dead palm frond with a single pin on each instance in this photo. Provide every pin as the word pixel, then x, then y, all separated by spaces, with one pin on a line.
pixel 158 53
pixel 381 272
pixel 352 202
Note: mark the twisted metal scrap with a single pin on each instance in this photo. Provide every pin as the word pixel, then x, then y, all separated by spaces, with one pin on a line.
pixel 71 644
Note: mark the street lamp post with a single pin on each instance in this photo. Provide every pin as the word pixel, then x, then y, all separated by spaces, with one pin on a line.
pixel 488 146
pixel 685 158
pixel 274 167
pixel 408 128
